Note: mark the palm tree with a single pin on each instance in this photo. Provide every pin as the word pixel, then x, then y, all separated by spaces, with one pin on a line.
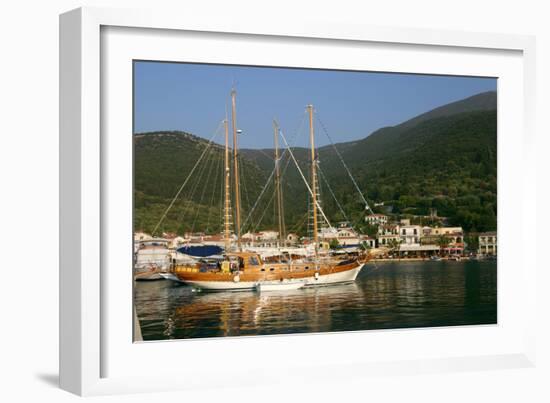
pixel 394 245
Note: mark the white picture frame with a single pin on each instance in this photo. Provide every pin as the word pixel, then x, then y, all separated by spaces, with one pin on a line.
pixel 88 316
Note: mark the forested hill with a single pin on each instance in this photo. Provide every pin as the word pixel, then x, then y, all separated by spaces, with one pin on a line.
pixel 443 159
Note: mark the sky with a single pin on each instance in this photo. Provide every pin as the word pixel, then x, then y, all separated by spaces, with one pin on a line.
pixel 351 105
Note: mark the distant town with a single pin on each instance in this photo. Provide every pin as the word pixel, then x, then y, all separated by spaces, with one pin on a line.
pixel 392 238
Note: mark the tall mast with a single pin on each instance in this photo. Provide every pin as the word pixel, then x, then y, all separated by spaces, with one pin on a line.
pixel 227 177
pixel 236 169
pixel 280 213
pixel 313 178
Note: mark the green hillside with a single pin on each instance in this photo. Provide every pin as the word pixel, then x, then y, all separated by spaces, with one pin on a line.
pixel 163 161
pixel 443 159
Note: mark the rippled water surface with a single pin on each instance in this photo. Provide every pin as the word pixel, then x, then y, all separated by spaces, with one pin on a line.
pixel 384 296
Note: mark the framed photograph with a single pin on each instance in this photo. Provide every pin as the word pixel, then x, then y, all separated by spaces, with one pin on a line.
pixel 331 200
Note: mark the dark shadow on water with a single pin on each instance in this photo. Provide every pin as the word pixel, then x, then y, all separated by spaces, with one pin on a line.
pixel 49 379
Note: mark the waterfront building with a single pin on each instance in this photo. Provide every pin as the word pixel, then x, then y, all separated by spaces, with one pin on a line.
pixel 346 236
pixel 216 240
pixel 370 242
pixel 454 234
pixel 454 237
pixel 488 243
pixel 410 234
pixel 376 219
pixel 262 238
pixel 387 234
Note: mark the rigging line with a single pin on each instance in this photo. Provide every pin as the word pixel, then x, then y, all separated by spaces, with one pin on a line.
pixel 263 213
pixel 337 202
pixel 189 206
pixel 281 191
pixel 205 186
pixel 295 134
pixel 303 178
pixel 300 223
pixel 265 154
pixel 363 199
pixel 242 180
pixel 259 197
pixel 332 193
pixel 210 142
pixel 211 200
pixel 210 205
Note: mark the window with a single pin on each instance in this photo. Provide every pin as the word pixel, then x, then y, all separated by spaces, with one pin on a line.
pixel 415 231
pixel 272 269
pixel 253 261
pixel 404 232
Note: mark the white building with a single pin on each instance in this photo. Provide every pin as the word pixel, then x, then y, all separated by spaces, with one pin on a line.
pixel 410 234
pixel 262 238
pixel 369 241
pixel 376 219
pixel 269 235
pixel 488 243
pixel 344 235
pixel 387 233
pixel 454 234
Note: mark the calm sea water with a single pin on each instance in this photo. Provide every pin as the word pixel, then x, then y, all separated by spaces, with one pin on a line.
pixel 384 296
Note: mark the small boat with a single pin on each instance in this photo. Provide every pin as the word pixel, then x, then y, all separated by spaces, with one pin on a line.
pixel 435 258
pixel 169 276
pixel 279 286
pixel 151 258
pixel 455 258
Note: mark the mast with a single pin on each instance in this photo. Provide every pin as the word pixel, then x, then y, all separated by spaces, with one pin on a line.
pixel 236 169
pixel 227 208
pixel 280 213
pixel 313 178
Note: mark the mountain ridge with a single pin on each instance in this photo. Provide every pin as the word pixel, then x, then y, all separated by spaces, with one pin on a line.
pixel 444 158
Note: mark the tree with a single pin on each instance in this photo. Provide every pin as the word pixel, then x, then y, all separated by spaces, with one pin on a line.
pixel 334 244
pixel 394 245
pixel 442 242
pixel 472 242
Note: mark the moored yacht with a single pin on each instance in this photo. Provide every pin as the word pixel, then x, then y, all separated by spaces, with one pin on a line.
pixel 242 269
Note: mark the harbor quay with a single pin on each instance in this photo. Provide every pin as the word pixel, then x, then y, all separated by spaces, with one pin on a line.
pixel 390 240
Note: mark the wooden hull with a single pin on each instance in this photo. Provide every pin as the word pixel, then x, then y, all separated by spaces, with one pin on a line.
pixel 250 279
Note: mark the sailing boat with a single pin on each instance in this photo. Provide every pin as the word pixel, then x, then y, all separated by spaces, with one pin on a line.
pixel 242 270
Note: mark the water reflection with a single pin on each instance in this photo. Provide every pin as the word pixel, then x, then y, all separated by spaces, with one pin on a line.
pixel 384 296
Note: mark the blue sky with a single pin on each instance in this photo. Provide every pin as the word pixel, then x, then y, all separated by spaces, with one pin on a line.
pixel 351 105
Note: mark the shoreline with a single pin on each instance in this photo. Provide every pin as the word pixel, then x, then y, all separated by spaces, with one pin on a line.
pixel 419 259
